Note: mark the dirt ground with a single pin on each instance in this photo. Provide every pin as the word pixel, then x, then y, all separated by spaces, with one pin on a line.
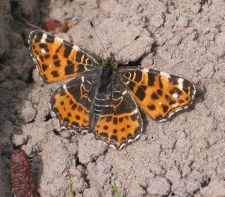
pixel 181 157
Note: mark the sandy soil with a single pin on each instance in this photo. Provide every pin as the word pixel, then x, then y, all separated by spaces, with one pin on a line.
pixel 182 157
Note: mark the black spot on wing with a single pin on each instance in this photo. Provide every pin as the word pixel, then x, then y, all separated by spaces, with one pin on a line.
pixel 140 93
pixel 103 136
pixel 80 68
pixel 131 85
pixel 113 139
pixel 74 106
pixel 46 56
pixel 57 63
pixel 151 107
pixel 154 96
pixel 55 74
pixel 133 117
pixel 69 69
pixel 108 118
pixel 187 86
pixel 50 39
pixel 55 57
pixel 105 127
pixel 38 36
pixel 44 46
pixel 159 92
pixel 115 121
pixel 158 117
pixel 175 90
pixel 138 76
pixel 172 102
pixel 165 108
pixel 151 78
pixel 78 56
pixel 114 131
pixel 67 51
pixel 160 83
pixel 41 58
pixel 173 79
pixel 44 67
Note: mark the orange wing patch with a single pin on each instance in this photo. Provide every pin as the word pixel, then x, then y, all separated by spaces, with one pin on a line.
pixel 72 103
pixel 57 59
pixel 159 94
pixel 118 130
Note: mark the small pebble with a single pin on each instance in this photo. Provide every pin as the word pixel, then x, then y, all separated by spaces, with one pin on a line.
pixel 220 40
pixel 28 112
pixel 18 140
pixel 196 8
pixel 183 21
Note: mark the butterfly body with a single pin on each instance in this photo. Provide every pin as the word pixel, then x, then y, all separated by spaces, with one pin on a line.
pixel 104 96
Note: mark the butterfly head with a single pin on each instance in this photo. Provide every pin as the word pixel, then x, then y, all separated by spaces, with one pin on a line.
pixel 110 62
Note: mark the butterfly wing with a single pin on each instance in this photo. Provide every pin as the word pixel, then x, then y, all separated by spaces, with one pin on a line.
pixel 159 94
pixel 72 102
pixel 57 59
pixel 117 120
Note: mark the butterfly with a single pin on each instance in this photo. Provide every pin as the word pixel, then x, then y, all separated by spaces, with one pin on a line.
pixel 103 96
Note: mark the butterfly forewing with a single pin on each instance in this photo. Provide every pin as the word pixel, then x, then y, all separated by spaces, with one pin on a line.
pixel 159 94
pixel 57 59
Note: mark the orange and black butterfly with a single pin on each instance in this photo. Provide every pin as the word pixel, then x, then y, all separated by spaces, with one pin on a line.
pixel 103 96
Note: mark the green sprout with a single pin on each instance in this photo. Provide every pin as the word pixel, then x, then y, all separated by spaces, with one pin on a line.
pixel 116 190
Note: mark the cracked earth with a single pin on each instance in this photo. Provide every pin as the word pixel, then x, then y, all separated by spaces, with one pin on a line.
pixel 182 157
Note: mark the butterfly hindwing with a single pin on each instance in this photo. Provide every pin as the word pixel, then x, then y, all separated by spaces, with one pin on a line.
pixel 72 102
pixel 117 119
pixel 57 59
pixel 158 93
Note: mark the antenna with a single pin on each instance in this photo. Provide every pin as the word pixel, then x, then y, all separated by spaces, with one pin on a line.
pixel 92 25
pixel 127 44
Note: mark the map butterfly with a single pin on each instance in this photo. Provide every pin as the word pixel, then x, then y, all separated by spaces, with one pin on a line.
pixel 103 96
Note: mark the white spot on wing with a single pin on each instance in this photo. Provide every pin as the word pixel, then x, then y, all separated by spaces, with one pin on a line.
pixel 43 39
pixel 124 92
pixel 145 70
pixel 165 75
pixel 76 48
pixel 43 51
pixel 180 83
pixel 64 87
pixel 175 95
pixel 122 146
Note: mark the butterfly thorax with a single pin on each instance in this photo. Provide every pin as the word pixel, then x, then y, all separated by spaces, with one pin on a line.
pixel 109 67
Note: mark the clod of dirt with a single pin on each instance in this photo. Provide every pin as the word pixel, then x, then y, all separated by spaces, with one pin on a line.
pixel 136 189
pixel 28 112
pixel 18 140
pixel 183 21
pixel 86 153
pixel 92 192
pixel 159 186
